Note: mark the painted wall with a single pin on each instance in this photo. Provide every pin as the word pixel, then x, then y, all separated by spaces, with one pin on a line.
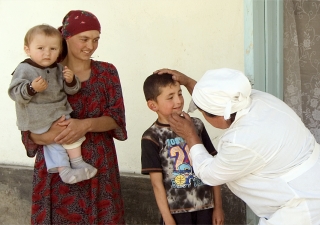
pixel 138 37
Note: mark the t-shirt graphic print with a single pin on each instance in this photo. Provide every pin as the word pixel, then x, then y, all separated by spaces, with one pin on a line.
pixel 164 151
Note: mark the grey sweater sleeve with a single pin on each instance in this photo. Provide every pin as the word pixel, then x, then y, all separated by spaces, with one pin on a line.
pixel 18 88
pixel 73 89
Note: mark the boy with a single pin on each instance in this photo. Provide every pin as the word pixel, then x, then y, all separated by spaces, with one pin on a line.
pixel 39 87
pixel 182 197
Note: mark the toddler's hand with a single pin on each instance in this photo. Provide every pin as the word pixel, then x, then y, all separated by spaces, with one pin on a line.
pixel 39 84
pixel 68 74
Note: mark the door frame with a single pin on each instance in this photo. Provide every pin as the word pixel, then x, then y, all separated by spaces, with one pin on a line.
pixel 263 45
pixel 263 52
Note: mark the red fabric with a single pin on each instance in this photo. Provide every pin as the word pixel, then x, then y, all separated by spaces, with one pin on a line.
pixel 98 200
pixel 77 21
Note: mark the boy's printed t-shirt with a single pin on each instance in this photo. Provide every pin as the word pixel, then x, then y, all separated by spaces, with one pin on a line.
pixel 164 151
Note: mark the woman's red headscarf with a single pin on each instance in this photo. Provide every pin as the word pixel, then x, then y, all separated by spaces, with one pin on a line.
pixel 77 21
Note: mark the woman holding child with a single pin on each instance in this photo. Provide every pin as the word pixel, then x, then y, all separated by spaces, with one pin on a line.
pixel 99 116
pixel 267 156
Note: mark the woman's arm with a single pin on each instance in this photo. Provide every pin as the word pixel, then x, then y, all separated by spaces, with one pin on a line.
pixel 68 131
pixel 101 124
pixel 76 128
pixel 218 214
pixel 161 197
pixel 50 135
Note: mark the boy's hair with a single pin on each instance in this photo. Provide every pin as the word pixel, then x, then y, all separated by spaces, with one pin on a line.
pixel 41 29
pixel 153 84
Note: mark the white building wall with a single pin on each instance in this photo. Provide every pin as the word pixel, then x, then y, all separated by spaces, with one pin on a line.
pixel 138 37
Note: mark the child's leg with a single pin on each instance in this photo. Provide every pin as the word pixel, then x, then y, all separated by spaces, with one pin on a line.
pixel 71 176
pixel 78 163
pixel 74 152
pixel 57 159
pixel 55 156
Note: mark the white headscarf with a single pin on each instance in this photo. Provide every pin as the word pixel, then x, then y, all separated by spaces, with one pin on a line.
pixel 222 92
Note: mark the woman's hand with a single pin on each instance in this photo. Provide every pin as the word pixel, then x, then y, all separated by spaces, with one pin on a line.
pixel 183 79
pixel 75 129
pixel 50 135
pixel 184 127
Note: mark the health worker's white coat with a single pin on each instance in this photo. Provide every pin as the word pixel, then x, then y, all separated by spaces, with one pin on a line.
pixel 270 160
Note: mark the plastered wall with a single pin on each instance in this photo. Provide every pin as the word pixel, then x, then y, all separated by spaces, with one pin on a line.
pixel 138 37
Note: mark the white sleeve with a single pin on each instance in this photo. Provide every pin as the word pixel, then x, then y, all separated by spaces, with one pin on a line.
pixel 231 163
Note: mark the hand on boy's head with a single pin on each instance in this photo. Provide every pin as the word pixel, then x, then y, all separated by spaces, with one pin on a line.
pixel 161 71
pixel 39 84
pixel 68 74
pixel 176 75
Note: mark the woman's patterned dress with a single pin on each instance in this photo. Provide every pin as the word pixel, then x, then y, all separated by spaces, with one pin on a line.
pixel 97 200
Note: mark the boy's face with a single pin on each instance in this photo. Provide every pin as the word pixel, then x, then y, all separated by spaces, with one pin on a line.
pixel 169 101
pixel 43 50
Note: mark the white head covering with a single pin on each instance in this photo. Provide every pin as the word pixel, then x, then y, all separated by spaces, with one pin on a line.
pixel 222 92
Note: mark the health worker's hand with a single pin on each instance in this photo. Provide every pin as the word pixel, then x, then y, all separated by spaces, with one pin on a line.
pixel 184 127
pixel 176 75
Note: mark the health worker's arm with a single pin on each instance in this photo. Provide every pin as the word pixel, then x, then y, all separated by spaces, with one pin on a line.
pixel 231 163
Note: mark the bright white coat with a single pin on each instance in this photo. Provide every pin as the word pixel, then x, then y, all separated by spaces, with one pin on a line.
pixel 270 160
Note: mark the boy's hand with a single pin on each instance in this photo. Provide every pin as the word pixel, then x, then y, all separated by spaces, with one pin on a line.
pixel 169 221
pixel 218 216
pixel 67 74
pixel 39 84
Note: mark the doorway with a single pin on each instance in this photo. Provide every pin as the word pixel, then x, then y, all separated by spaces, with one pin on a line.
pixel 282 56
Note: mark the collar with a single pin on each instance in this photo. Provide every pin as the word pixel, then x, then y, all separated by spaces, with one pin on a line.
pixel 161 124
pixel 32 63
